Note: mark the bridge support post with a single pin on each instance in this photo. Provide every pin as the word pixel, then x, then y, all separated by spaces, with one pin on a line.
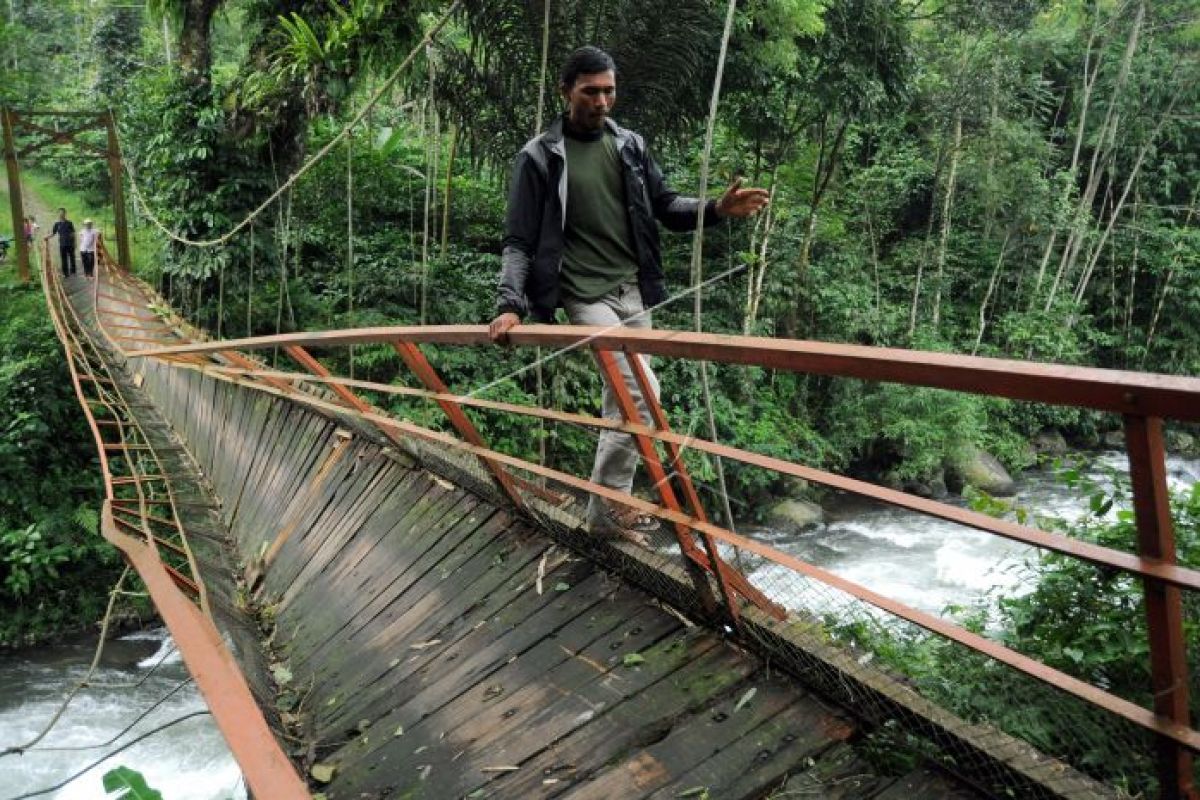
pixel 683 534
pixel 14 195
pixel 420 366
pixel 1164 604
pixel 115 179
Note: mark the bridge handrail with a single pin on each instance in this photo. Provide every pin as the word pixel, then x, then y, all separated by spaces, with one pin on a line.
pixel 1143 399
pixel 1119 391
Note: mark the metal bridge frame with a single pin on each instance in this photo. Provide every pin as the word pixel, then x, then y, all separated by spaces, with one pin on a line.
pixel 1143 400
pixel 140 517
pixel 16 122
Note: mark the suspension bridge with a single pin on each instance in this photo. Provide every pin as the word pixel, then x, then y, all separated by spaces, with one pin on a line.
pixel 373 608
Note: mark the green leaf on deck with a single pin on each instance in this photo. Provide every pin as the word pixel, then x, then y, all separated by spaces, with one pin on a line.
pixel 700 792
pixel 282 675
pixel 322 772
pixel 633 659
pixel 130 783
pixel 561 586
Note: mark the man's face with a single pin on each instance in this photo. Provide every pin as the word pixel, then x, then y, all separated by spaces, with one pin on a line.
pixel 591 100
pixel 62 214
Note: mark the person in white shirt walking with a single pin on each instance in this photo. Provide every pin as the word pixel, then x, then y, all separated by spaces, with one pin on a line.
pixel 87 248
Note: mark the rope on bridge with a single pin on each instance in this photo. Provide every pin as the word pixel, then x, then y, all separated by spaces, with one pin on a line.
pixel 304 168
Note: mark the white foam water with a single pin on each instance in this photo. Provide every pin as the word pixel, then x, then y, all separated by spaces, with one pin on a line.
pixel 188 761
pixel 935 566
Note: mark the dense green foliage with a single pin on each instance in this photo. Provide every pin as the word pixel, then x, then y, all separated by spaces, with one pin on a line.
pixel 54 567
pixel 1007 179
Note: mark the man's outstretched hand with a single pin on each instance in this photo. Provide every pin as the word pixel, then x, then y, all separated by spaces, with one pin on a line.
pixel 501 325
pixel 739 202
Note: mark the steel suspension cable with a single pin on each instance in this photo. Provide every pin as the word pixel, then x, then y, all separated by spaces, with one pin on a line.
pixel 81 684
pixel 308 165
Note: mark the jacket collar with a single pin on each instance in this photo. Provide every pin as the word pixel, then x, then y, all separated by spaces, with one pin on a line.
pixel 552 139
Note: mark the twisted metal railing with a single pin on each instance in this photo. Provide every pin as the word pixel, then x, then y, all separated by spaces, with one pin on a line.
pixel 763 612
pixel 141 517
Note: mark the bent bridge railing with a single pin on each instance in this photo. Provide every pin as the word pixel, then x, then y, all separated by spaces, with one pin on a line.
pixel 767 608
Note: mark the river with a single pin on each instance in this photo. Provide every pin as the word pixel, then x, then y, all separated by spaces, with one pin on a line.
pixel 922 562
pixel 927 563
pixel 188 761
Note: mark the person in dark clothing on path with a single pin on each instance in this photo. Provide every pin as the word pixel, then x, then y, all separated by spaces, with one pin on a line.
pixel 582 233
pixel 64 229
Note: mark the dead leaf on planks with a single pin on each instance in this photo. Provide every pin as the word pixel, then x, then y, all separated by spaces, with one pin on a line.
pixel 423 645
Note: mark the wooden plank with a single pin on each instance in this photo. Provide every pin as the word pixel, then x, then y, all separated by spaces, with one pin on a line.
pixel 633 720
pixel 674 674
pixel 266 426
pixel 322 517
pixel 741 765
pixel 925 784
pixel 322 594
pixel 432 590
pixel 480 626
pixel 504 701
pixel 277 472
pixel 426 626
pixel 838 773
pixel 489 647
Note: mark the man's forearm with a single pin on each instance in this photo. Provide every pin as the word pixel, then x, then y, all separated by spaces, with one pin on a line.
pixel 514 271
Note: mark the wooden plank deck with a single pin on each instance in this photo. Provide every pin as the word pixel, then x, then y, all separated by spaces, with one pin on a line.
pixel 420 659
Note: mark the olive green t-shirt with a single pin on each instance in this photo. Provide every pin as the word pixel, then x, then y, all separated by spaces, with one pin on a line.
pixel 598 255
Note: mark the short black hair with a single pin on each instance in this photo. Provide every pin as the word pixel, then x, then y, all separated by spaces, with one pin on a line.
pixel 585 61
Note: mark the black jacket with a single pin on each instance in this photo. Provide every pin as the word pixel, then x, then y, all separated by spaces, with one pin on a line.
pixel 537 201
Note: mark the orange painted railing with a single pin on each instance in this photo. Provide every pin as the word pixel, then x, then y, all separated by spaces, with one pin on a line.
pixel 140 518
pixel 1143 400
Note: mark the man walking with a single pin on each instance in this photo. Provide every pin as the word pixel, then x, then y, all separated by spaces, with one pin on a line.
pixel 64 229
pixel 87 248
pixel 581 232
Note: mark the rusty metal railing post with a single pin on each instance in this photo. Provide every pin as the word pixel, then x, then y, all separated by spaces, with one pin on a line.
pixel 420 366
pixel 683 534
pixel 1164 604
pixel 658 419
pixel 730 577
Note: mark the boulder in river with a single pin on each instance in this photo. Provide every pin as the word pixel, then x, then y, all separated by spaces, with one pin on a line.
pixel 1114 440
pixel 978 468
pixel 1181 442
pixel 794 515
pixel 933 487
pixel 1049 442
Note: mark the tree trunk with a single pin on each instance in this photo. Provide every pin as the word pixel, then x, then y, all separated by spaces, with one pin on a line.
pixel 195 41
pixel 754 282
pixel 449 189
pixel 1105 145
pixel 983 305
pixel 1089 83
pixel 916 297
pixel 1166 288
pixel 947 214
pixel 827 163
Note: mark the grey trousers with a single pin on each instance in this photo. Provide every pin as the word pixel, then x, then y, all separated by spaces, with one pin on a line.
pixel 616 454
